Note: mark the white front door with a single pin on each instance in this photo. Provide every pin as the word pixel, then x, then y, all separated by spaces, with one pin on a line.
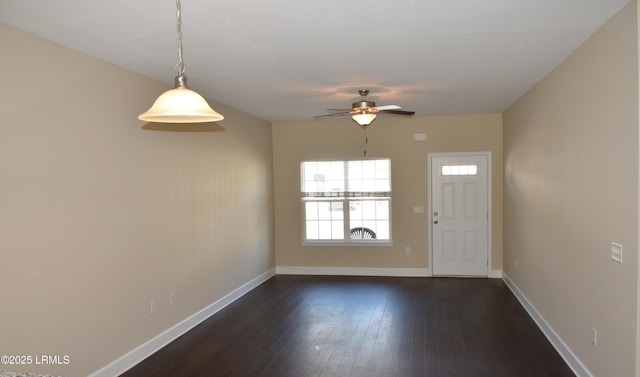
pixel 459 214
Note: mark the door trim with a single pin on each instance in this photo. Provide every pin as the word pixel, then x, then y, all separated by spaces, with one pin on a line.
pixel 490 271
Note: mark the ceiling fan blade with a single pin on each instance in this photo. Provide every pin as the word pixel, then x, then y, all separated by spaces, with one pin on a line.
pixel 388 107
pixel 398 112
pixel 331 115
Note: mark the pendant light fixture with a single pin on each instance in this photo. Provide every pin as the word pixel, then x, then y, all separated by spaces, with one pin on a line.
pixel 180 104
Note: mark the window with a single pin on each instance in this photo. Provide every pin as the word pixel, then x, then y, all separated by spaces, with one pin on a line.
pixel 346 201
pixel 460 170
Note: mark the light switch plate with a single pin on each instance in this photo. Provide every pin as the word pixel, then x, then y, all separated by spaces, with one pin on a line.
pixel 420 137
pixel 418 209
pixel 616 252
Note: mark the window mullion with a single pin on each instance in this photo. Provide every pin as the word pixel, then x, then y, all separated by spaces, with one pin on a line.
pixel 346 220
pixel 345 203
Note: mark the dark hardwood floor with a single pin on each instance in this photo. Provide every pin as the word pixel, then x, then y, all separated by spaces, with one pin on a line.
pixel 302 326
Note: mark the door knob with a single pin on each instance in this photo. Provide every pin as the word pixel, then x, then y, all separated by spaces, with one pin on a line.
pixel 435 214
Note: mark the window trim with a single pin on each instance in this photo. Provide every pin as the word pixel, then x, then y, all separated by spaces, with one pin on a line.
pixel 345 241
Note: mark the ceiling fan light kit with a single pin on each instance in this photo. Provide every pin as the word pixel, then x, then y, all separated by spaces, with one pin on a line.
pixel 180 104
pixel 363 119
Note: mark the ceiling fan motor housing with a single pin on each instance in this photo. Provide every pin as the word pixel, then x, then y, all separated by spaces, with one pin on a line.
pixel 363 105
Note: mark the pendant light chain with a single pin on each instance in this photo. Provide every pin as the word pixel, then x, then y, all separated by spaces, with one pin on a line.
pixel 366 141
pixel 180 66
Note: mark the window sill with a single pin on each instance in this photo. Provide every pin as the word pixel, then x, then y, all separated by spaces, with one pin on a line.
pixel 386 243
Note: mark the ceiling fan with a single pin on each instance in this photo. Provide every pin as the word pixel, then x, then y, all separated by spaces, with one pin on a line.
pixel 364 112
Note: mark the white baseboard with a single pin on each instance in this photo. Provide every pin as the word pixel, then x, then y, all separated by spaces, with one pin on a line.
pixel 353 271
pixel 569 357
pixel 365 271
pixel 135 356
pixel 495 274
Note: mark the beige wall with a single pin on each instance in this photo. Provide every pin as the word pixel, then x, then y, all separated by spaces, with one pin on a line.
pixel 388 137
pixel 98 216
pixel 571 188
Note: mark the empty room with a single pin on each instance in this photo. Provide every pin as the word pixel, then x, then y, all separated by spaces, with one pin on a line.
pixel 408 188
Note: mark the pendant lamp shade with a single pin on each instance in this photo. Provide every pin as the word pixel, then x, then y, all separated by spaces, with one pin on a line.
pixel 180 105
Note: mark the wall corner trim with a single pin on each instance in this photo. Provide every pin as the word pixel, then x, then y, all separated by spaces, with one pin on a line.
pixel 135 356
pixel 565 352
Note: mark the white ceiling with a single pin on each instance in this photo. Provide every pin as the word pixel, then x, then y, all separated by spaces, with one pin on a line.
pixel 286 60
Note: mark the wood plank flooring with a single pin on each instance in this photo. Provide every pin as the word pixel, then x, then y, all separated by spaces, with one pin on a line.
pixel 303 326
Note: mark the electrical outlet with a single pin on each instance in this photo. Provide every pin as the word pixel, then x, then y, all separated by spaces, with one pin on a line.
pixel 407 250
pixel 172 298
pixel 594 337
pixel 153 307
pixel 516 264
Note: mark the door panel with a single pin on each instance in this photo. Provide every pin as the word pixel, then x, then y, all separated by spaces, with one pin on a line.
pixel 469 201
pixel 460 223
pixel 448 245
